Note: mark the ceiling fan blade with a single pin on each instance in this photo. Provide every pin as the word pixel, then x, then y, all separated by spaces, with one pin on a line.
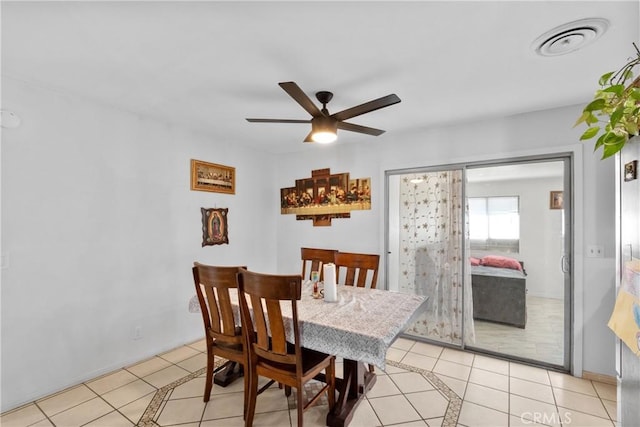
pixel 360 129
pixel 308 138
pixel 367 107
pixel 278 121
pixel 301 98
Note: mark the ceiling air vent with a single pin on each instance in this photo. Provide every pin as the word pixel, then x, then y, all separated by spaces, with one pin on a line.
pixel 570 37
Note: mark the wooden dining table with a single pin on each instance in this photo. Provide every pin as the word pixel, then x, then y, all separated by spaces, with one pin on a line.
pixel 359 327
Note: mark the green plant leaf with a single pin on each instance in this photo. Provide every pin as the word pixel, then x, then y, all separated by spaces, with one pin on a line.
pixel 605 77
pixel 596 104
pixel 616 116
pixel 632 128
pixel 590 133
pixel 613 138
pixel 582 118
pixel 610 150
pixel 591 119
pixel 613 115
pixel 611 143
pixel 617 89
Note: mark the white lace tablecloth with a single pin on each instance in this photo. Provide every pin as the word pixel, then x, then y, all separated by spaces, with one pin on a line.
pixel 360 325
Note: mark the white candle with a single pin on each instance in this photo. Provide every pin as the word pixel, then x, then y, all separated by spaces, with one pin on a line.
pixel 330 287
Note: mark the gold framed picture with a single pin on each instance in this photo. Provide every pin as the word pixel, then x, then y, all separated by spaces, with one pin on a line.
pixel 212 177
pixel 556 200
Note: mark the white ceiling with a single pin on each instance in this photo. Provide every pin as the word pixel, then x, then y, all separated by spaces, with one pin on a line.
pixel 207 65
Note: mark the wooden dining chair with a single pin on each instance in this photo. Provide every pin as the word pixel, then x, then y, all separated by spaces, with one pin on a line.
pixel 273 341
pixel 359 269
pixel 224 337
pixel 313 259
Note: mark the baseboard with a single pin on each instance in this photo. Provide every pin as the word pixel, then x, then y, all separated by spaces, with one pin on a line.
pixel 601 378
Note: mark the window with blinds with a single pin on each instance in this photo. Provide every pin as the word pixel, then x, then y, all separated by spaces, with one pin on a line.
pixel 494 223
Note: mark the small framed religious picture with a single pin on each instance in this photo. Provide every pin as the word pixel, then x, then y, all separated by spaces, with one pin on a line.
pixel 631 170
pixel 556 200
pixel 212 177
pixel 214 226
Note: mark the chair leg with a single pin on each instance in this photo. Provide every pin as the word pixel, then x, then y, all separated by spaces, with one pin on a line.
pixel 209 381
pixel 253 395
pixel 246 393
pixel 287 390
pixel 300 403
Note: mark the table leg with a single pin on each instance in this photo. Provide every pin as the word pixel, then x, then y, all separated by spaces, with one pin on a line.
pixel 356 381
pixel 228 373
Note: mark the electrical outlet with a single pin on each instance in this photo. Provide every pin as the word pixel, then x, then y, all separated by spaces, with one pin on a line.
pixel 595 251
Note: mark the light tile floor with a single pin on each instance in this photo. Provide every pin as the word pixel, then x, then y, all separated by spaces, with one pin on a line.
pixel 422 385
pixel 542 339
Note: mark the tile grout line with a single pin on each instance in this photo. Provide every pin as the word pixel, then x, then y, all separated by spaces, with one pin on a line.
pixel 455 403
pixel 157 389
pixel 509 392
pixel 158 398
pixel 405 396
pixel 35 402
pixel 46 416
pixel 168 389
pixel 114 389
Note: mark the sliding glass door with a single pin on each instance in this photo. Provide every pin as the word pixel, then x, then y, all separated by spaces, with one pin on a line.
pixel 521 211
pixel 490 246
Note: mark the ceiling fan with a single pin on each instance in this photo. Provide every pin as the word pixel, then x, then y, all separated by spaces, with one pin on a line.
pixel 324 126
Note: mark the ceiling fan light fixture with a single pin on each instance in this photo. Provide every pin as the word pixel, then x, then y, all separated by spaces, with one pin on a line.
pixel 324 130
pixel 324 126
pixel 324 137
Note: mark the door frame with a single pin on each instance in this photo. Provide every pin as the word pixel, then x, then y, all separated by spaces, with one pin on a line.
pixel 573 355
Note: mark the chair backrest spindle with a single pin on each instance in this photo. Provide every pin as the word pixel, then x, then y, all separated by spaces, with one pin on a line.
pixel 313 259
pixel 357 268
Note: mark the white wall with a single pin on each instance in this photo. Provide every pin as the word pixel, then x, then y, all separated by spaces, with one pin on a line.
pixel 360 233
pixel 99 230
pixel 520 135
pixel 99 226
pixel 541 239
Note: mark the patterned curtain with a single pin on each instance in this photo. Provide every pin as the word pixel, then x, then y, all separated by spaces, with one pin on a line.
pixel 432 210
